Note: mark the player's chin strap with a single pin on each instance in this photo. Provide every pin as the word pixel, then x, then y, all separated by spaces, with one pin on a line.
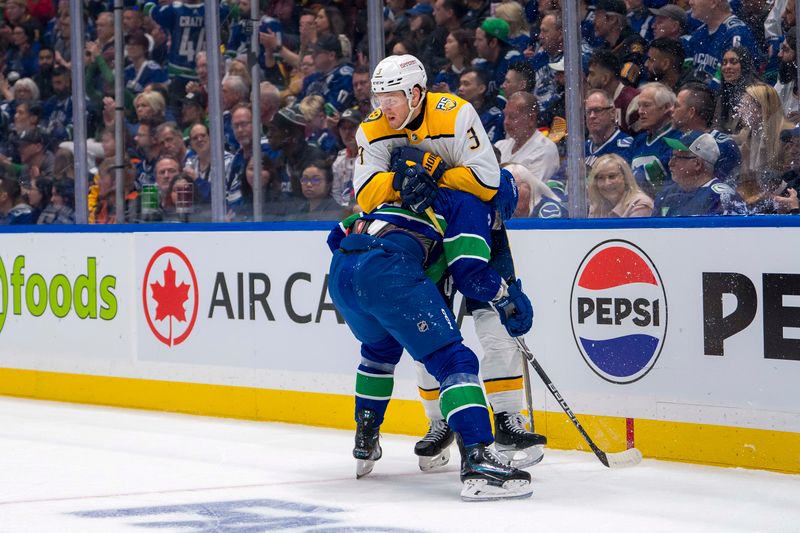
pixel 412 110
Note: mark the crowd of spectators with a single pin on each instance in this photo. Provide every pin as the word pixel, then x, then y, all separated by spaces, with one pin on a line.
pixel 691 107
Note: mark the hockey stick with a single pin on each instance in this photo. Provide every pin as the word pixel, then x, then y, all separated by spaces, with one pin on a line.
pixel 629 457
pixel 526 381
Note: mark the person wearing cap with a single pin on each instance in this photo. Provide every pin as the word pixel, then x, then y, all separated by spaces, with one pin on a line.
pixel 286 134
pixel 611 25
pixel 141 71
pixel 495 53
pixel 650 155
pixel 332 79
pixel 35 159
pixel 695 191
pixel 342 190
pixel 694 111
pixel 193 110
pixel 721 29
pixel 669 23
pixel 665 62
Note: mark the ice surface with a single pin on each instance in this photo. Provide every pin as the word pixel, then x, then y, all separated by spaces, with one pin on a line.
pixel 68 468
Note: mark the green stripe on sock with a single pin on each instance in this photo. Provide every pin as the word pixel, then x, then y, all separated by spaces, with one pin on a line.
pixel 374 386
pixel 460 396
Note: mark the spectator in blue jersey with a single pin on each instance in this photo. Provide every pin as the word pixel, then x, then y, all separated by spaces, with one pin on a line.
pixel 669 22
pixel 737 75
pixel 459 50
pixel 524 143
pixel 721 30
pixel 550 50
pixel 695 190
pixel 604 135
pixel 694 111
pixel 495 53
pixel 44 76
pixel 474 88
pixel 603 74
pixel 518 29
pixel 13 208
pixel 141 71
pixel 343 191
pixel 147 152
pixel 198 161
pixel 23 56
pixel 332 79
pixel 317 134
pixel 664 62
pixel 235 91
pixel 650 154
pixel 640 19
pixel 611 26
pixel 520 77
pixel 613 191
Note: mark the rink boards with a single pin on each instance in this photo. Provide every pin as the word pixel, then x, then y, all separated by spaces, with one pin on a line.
pixel 682 339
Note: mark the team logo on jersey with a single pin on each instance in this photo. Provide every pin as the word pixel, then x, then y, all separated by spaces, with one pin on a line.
pixel 618 310
pixel 375 115
pixel 446 104
pixel 170 296
pixel 422 326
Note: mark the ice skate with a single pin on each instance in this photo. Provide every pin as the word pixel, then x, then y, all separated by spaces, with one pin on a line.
pixel 486 477
pixel 434 448
pixel 516 445
pixel 367 448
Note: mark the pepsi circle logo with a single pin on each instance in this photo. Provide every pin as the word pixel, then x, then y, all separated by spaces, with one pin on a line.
pixel 170 296
pixel 618 311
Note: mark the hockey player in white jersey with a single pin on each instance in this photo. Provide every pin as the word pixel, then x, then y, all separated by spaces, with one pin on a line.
pixel 444 134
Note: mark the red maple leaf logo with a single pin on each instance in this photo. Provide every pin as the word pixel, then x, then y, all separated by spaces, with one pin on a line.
pixel 170 298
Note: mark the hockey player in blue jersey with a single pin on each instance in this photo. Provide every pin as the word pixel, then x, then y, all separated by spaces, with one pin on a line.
pixel 721 30
pixel 444 134
pixel 382 280
pixel 695 190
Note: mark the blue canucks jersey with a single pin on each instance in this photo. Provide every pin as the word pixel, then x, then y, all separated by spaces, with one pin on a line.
pixel 705 50
pixel 336 87
pixel 497 70
pixel 150 72
pixel 713 198
pixel 186 25
pixel 545 89
pixel 57 118
pixel 650 159
pixel 549 208
pixel 619 143
pixel 492 119
pixel 641 22
pixel 730 157
pixel 450 77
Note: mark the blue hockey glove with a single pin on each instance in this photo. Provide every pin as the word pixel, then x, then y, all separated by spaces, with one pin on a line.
pixel 430 162
pixel 505 201
pixel 418 190
pixel 515 310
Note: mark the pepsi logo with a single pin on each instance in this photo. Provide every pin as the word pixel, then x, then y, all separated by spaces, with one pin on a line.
pixel 618 311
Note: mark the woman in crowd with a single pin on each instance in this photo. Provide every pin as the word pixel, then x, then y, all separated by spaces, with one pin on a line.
pixel 737 74
pixel 613 191
pixel 38 191
pixel 762 118
pixel 459 51
pixel 61 209
pixel 519 31
pixel 319 204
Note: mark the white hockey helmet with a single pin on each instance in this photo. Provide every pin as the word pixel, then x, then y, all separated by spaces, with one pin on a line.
pixel 400 73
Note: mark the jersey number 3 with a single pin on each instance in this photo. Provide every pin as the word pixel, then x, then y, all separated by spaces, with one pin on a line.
pixel 474 136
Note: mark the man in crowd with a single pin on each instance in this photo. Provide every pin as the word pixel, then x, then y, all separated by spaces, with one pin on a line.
pixel 474 88
pixel 695 190
pixel 611 25
pixel 604 135
pixel 665 62
pixel 495 53
pixel 650 155
pixel 603 74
